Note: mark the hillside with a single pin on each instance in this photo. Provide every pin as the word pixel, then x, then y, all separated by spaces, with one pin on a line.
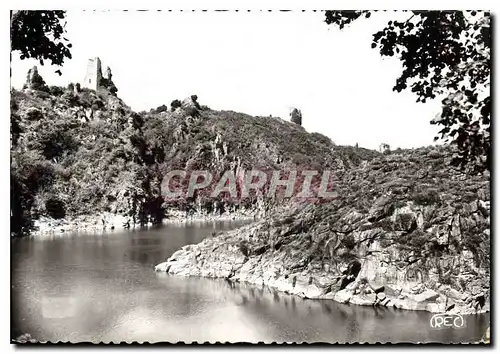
pixel 403 224
pixel 406 231
pixel 77 153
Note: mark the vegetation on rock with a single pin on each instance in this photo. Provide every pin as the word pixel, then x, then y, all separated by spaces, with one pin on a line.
pixel 445 54
pixel 411 225
pixel 78 152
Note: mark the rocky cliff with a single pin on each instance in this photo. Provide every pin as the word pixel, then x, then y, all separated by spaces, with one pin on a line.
pixel 84 159
pixel 406 231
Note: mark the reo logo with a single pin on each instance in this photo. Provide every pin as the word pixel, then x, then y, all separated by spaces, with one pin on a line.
pixel 442 320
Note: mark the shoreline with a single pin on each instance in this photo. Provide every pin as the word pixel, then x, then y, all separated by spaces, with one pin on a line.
pixel 222 257
pixel 106 222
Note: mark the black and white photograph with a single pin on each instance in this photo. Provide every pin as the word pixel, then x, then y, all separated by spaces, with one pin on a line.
pixel 250 176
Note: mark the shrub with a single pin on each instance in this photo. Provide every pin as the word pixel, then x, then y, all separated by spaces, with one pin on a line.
pixel 97 104
pixel 175 104
pixel 348 242
pixel 113 89
pixel 194 98
pixel 55 208
pixel 15 128
pixel 38 83
pixel 136 120
pixel 34 114
pixel 56 91
pixel 427 197
pixel 160 109
pixel 72 99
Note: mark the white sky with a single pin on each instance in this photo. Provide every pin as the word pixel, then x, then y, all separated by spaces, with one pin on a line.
pixel 259 63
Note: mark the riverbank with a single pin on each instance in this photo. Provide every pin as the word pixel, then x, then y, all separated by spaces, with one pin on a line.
pixel 105 222
pixel 232 256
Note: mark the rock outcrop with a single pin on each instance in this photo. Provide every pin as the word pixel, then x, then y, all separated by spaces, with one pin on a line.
pixel 62 131
pixel 406 231
pixel 191 106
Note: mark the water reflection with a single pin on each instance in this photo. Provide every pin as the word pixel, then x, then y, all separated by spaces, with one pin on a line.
pixel 103 288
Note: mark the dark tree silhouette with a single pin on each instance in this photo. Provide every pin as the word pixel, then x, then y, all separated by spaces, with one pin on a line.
pixel 445 54
pixel 39 35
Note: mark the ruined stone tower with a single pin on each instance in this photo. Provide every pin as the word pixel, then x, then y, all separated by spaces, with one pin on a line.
pixel 296 116
pixel 94 74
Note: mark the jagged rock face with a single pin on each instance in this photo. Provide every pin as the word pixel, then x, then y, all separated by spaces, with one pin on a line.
pixel 131 152
pixel 191 106
pixel 422 242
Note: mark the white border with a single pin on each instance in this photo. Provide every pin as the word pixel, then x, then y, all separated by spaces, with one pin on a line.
pixel 189 5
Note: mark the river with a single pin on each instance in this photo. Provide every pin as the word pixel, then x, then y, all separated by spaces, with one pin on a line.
pixel 103 287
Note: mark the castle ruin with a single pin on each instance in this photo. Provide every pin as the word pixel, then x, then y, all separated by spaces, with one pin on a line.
pixel 296 116
pixel 93 75
pixel 94 78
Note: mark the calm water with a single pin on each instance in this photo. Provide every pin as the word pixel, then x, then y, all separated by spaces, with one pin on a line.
pixel 104 288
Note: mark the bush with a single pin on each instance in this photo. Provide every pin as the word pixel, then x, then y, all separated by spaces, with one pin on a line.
pixel 348 242
pixel 97 104
pixel 15 128
pixel 160 109
pixel 175 104
pixel 34 114
pixel 136 120
pixel 72 99
pixel 194 98
pixel 113 89
pixel 56 91
pixel 55 208
pixel 38 83
pixel 428 197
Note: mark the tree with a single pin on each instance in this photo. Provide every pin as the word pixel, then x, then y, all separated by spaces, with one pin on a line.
pixel 444 54
pixel 39 35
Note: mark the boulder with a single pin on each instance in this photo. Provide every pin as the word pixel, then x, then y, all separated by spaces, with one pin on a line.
pixel 426 296
pixel 392 290
pixel 162 267
pixel 455 294
pixel 381 208
pixel 417 289
pixel 377 288
pixel 364 300
pixel 435 308
pixel 405 221
pixel 386 302
pixel 312 292
pixel 191 106
pixel 176 255
pixel 343 296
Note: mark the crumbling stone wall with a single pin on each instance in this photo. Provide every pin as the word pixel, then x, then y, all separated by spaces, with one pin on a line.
pixel 93 75
pixel 296 116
